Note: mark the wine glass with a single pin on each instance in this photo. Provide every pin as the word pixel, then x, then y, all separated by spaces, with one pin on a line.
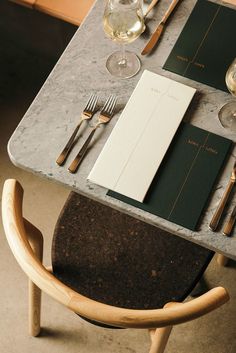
pixel 227 113
pixel 123 22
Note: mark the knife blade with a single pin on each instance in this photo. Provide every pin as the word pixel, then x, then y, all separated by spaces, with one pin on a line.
pixel 156 35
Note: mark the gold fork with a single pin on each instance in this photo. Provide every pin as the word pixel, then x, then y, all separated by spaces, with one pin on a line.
pixel 218 213
pixel 87 114
pixel 105 116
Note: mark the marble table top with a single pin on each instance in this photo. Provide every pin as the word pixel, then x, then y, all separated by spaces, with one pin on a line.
pixel 48 123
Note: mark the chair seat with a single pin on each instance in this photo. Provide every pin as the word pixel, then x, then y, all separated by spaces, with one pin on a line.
pixel 118 260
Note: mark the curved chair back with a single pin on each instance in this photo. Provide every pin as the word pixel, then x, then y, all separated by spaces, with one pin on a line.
pixel 19 231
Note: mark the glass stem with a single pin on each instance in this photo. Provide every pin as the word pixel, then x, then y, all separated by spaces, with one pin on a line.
pixel 123 60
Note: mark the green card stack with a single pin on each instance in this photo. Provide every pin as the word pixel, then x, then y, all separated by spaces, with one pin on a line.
pixel 184 181
pixel 206 45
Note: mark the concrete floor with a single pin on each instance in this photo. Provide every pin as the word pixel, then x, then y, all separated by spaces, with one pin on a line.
pixel 62 330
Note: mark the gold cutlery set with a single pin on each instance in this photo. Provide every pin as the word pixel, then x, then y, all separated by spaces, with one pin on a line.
pixel 90 109
pixel 220 209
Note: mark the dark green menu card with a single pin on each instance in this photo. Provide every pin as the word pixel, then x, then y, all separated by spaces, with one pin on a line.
pixel 206 45
pixel 182 185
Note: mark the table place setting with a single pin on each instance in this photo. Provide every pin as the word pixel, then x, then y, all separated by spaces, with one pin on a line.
pixel 132 173
pixel 162 153
pixel 151 159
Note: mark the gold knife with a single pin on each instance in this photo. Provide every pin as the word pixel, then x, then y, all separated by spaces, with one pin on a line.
pixel 217 215
pixel 230 223
pixel 156 35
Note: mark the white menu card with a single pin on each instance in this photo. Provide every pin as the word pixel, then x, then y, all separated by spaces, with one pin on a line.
pixel 135 149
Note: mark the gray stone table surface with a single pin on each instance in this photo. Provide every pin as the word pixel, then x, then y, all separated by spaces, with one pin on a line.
pixel 48 123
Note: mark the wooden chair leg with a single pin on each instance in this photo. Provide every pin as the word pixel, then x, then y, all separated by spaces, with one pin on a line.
pixel 34 309
pixel 160 336
pixel 222 260
pixel 159 339
pixel 36 242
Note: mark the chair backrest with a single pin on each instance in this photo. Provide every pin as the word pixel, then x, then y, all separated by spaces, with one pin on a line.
pixel 17 230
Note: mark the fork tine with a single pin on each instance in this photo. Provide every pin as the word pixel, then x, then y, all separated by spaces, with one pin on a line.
pixel 93 103
pixel 110 103
pixel 112 107
pixel 90 101
pixel 107 103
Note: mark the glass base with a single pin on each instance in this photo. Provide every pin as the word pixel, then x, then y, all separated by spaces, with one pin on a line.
pixel 227 116
pixel 123 68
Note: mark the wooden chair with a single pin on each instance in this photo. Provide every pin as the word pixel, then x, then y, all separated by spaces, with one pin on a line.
pixel 26 243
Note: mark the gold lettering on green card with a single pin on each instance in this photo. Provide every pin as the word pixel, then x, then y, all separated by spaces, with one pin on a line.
pixel 193 143
pixel 211 150
pixel 182 58
pixel 202 66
